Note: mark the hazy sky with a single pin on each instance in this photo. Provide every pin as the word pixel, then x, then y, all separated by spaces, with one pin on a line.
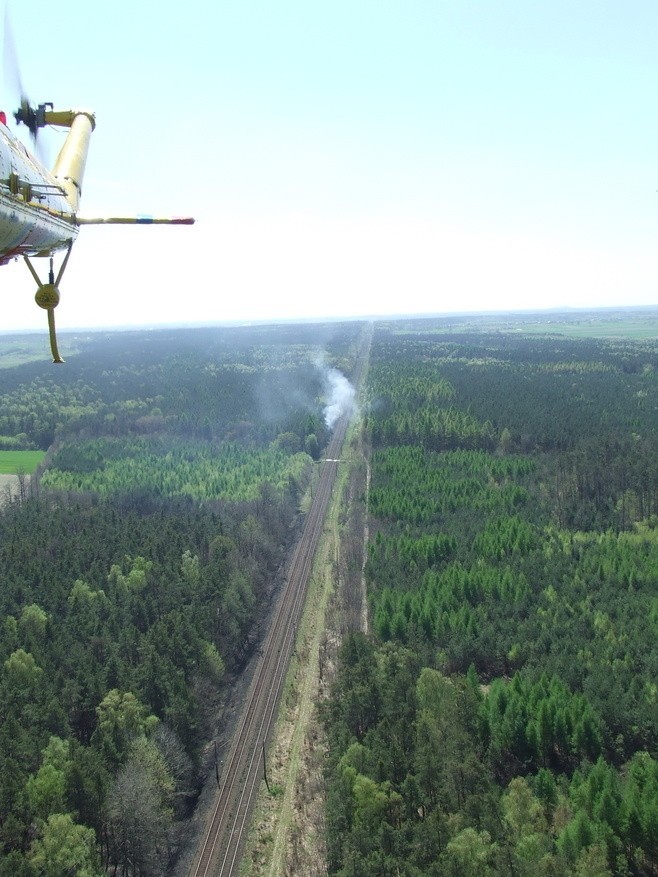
pixel 350 158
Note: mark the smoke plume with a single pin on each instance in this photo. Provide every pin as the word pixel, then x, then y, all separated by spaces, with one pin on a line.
pixel 340 395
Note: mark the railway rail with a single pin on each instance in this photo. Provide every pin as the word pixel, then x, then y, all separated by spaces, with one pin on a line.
pixel 218 854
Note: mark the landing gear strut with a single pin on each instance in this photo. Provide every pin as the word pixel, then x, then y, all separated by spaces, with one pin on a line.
pixel 47 297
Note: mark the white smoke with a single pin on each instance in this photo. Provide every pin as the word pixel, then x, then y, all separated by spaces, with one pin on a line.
pixel 340 395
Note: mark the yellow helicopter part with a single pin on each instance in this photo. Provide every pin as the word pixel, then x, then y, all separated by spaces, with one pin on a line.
pixel 69 165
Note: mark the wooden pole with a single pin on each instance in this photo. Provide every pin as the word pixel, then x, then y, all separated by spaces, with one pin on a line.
pixel 265 769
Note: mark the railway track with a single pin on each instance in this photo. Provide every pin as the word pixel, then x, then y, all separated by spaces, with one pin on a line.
pixel 218 854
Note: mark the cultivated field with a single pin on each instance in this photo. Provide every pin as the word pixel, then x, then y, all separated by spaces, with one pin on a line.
pixel 12 462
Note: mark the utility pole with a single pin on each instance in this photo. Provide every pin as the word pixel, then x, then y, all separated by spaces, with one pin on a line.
pixel 265 769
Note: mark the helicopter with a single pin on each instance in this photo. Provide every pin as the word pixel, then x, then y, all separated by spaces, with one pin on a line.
pixel 39 209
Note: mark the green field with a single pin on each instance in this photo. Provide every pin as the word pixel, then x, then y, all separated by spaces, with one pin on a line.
pixel 12 462
pixel 631 329
pixel 629 324
pixel 20 349
pixel 622 323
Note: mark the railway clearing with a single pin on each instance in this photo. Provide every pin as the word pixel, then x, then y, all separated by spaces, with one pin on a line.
pixel 223 839
pixel 287 829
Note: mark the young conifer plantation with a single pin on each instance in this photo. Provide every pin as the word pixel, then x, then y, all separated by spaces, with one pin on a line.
pixel 135 571
pixel 502 716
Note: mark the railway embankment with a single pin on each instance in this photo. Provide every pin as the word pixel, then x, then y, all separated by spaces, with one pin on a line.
pixel 287 835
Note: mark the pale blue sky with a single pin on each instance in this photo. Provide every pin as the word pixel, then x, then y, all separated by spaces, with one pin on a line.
pixel 352 158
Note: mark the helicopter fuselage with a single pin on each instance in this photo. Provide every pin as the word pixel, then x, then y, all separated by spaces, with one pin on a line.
pixel 36 217
pixel 39 208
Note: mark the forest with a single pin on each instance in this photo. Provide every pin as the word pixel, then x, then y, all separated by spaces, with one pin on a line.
pixel 501 717
pixel 137 567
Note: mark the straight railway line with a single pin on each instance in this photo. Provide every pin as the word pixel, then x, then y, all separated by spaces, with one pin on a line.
pixel 218 854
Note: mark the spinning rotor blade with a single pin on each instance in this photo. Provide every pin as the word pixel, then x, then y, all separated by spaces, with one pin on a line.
pixel 32 118
pixel 12 70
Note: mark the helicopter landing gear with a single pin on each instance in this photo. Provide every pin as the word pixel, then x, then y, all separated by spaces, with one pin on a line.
pixel 47 297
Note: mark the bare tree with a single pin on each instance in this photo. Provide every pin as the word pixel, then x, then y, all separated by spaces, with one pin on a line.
pixel 21 475
pixel 176 759
pixel 138 823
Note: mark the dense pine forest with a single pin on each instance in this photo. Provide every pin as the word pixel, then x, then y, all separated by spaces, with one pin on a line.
pixel 136 569
pixel 501 717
